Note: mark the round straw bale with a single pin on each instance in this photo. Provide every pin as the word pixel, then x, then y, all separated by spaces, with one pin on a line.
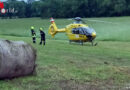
pixel 17 58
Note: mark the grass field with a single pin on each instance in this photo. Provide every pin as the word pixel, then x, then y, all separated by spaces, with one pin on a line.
pixel 61 66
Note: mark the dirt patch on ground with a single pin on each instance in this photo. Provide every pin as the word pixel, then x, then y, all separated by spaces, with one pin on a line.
pixel 74 85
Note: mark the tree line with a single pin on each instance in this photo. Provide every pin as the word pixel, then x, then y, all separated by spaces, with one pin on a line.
pixel 66 8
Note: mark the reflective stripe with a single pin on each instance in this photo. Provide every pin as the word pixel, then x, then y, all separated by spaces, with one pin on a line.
pixel 34 36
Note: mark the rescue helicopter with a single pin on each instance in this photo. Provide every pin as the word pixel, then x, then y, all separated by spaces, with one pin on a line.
pixel 76 32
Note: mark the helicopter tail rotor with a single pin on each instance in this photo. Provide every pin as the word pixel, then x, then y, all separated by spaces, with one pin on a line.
pixel 52 20
pixel 53 28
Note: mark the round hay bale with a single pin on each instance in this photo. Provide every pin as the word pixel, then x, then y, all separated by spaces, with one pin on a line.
pixel 17 58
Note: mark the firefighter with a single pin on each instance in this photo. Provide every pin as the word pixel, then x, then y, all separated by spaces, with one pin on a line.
pixel 43 39
pixel 33 34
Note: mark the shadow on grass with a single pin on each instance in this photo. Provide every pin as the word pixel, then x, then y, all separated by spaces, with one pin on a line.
pixel 84 44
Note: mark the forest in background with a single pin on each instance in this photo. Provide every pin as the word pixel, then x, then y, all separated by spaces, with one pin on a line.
pixel 66 8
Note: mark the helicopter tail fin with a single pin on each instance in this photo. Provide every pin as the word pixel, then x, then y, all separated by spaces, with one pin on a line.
pixel 53 28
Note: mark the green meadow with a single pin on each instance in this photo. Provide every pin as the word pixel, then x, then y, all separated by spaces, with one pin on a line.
pixel 64 66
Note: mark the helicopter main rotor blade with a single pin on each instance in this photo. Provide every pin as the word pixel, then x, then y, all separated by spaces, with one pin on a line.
pixel 70 18
pixel 81 20
pixel 102 21
pixel 93 20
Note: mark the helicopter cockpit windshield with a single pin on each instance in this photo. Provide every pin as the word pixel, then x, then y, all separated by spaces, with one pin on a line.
pixel 83 31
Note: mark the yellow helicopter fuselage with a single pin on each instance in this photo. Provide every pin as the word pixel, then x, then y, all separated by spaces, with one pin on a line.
pixel 75 37
pixel 68 30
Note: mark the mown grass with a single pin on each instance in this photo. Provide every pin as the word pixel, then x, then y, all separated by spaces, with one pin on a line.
pixel 118 30
pixel 58 61
pixel 61 66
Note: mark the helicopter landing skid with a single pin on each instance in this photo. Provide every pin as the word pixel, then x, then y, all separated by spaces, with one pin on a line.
pixel 94 44
pixel 81 42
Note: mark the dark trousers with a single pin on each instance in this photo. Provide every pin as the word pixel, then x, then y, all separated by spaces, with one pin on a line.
pixel 34 39
pixel 42 41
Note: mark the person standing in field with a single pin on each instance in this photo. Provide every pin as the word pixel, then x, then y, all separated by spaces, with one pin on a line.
pixel 33 34
pixel 43 39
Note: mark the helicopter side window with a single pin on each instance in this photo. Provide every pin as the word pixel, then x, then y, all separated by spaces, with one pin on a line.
pixel 75 31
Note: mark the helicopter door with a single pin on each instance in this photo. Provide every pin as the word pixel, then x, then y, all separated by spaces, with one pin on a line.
pixel 75 31
pixel 78 31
